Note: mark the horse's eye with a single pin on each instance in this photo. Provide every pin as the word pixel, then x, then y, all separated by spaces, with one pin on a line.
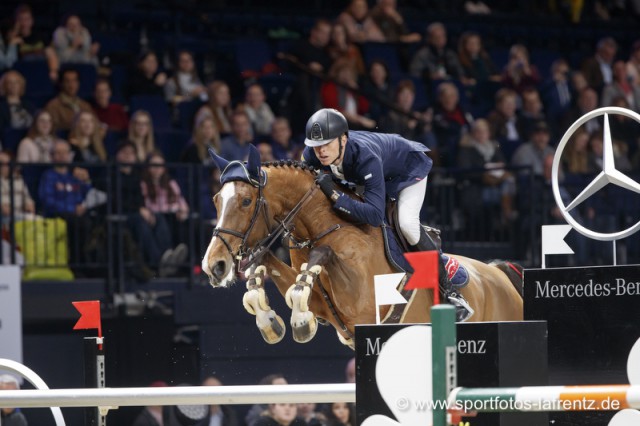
pixel 246 202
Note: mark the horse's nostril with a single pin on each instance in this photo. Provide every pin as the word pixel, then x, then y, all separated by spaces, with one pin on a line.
pixel 219 269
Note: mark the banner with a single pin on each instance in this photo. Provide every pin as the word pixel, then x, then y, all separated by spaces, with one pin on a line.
pixel 10 313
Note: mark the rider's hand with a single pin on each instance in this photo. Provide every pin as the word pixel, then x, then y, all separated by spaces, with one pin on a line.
pixel 328 186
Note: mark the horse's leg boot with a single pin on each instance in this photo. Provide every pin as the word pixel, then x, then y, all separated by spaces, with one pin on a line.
pixel 304 323
pixel 464 311
pixel 256 302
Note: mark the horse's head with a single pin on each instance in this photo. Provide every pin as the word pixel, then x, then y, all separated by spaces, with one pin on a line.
pixel 241 217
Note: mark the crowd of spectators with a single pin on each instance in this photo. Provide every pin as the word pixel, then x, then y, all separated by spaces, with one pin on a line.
pixel 441 89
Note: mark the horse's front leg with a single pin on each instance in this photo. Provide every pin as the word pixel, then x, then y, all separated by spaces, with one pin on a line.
pixel 256 302
pixel 303 321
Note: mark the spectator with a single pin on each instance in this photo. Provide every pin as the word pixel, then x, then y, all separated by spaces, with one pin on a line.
pixel 519 73
pixel 495 185
pixel 378 89
pixel 258 110
pixel 587 102
pixel 450 122
pixel 72 42
pixel 595 163
pixel 530 113
pixel 162 196
pixel 556 92
pixel 341 48
pixel 410 124
pixel 113 115
pixel 311 53
pixel 282 145
pixel 598 69
pixel 15 111
pixel 307 412
pixel 339 94
pixel 67 104
pixel 63 193
pixel 218 107
pixel 386 16
pixel 236 145
pixel 31 44
pixel 151 231
pixel 621 87
pixel 503 120
pixel 141 134
pixel 184 84
pixel 257 409
pixel 265 151
pixel 476 63
pixel 575 157
pixel 340 414
pixel 17 195
pixel 219 415
pixel 623 129
pixel 11 416
pixel 358 23
pixel 38 145
pixel 280 414
pixel 633 64
pixel 156 415
pixel 205 135
pixel 87 139
pixel 350 371
pixel 435 61
pixel 533 153
pixel 146 78
pixel 8 50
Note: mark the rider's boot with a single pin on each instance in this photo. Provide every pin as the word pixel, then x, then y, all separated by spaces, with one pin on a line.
pixel 463 310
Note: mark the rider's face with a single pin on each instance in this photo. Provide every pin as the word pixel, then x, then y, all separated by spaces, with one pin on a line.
pixel 329 152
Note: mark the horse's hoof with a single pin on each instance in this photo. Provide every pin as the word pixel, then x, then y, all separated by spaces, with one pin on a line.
pixel 275 330
pixel 304 327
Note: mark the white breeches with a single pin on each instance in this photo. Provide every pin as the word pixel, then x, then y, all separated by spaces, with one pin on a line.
pixel 410 202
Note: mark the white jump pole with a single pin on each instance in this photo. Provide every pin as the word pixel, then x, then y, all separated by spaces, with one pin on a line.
pixel 181 395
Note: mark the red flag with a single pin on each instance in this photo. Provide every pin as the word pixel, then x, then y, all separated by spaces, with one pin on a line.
pixel 425 272
pixel 89 315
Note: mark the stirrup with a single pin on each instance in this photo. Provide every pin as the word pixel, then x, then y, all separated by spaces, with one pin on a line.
pixel 464 311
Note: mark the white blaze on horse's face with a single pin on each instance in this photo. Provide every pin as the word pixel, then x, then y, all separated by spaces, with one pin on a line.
pixel 227 192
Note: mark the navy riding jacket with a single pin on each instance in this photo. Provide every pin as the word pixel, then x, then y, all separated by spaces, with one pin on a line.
pixel 384 164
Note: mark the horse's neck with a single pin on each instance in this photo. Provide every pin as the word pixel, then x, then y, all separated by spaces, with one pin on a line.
pixel 286 188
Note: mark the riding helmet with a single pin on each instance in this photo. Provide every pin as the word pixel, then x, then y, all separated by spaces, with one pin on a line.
pixel 324 126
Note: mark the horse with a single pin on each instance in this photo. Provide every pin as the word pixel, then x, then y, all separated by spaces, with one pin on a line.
pixel 333 261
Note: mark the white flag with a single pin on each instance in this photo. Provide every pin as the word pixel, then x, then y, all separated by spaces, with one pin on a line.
pixel 553 239
pixel 386 292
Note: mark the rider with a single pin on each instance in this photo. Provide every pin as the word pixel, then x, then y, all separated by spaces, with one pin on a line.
pixel 387 165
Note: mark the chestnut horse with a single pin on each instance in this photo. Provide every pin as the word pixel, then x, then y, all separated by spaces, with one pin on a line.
pixel 333 262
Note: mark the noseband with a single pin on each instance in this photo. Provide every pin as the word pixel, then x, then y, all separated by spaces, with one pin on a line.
pixel 256 253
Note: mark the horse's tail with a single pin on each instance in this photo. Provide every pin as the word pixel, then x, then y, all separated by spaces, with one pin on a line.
pixel 513 271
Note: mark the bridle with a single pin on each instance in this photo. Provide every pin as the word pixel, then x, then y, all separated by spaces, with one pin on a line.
pixel 282 228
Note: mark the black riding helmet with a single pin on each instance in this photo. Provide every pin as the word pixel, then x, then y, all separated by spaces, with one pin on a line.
pixel 324 126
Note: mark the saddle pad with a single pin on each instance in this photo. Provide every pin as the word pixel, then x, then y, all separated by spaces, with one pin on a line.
pixel 394 251
pixel 458 274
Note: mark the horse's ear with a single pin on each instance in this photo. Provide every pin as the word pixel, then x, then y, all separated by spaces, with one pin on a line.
pixel 253 165
pixel 220 162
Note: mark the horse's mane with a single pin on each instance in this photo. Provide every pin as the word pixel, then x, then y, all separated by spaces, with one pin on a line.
pixel 292 163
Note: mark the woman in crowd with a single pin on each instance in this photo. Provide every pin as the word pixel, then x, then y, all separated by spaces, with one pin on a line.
pixel 341 48
pixel 280 414
pixel 519 73
pixel 15 111
pixel 147 79
pixel 205 135
pixel 22 202
pixel 87 139
pixel 72 42
pixel 218 107
pixel 185 84
pixel 141 134
pixel 37 146
pixel 340 414
pixel 358 23
pixel 475 60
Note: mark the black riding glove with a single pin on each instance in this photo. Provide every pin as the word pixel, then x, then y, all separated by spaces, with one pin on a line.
pixel 328 186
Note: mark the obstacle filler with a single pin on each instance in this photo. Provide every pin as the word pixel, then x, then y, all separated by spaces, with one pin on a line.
pixel 510 399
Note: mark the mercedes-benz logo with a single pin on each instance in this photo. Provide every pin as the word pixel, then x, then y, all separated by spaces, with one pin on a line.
pixel 609 174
